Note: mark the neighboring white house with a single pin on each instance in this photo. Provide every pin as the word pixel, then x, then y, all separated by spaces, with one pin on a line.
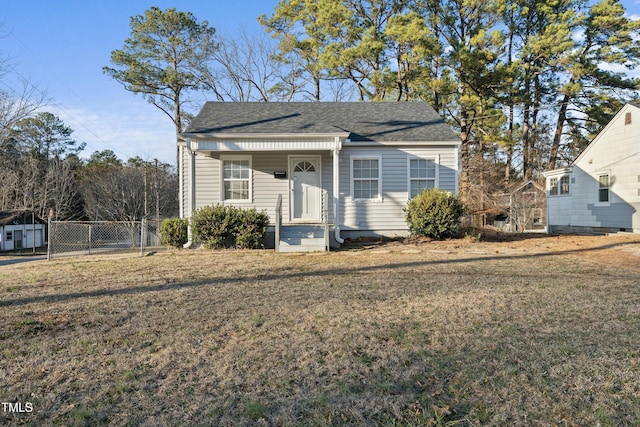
pixel 19 230
pixel 600 191
pixel 370 158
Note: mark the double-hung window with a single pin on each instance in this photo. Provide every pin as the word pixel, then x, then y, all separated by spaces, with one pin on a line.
pixel 553 186
pixel 366 183
pixel 559 186
pixel 603 189
pixel 423 175
pixel 564 184
pixel 236 178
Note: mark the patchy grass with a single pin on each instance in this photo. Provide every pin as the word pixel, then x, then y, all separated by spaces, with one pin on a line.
pixel 540 331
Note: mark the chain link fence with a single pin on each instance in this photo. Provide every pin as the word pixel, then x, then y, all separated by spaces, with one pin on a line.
pixel 67 238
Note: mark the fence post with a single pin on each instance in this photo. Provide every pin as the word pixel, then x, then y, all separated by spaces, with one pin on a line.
pixel 49 223
pixel 90 231
pixel 143 224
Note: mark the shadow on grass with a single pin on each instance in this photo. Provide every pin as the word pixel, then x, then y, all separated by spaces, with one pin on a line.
pixel 284 276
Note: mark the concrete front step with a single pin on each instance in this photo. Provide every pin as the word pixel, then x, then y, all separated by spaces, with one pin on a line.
pixel 301 238
pixel 301 248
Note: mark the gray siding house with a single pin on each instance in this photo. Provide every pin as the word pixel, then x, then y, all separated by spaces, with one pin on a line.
pixel 368 159
pixel 600 191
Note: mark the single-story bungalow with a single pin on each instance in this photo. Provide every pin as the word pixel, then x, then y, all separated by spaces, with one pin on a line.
pixel 19 229
pixel 349 167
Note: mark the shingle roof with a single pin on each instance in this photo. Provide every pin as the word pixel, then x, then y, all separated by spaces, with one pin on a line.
pixel 363 121
pixel 8 217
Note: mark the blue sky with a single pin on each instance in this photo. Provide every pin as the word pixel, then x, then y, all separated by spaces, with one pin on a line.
pixel 63 45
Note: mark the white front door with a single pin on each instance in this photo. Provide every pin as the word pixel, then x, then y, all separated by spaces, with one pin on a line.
pixel 305 199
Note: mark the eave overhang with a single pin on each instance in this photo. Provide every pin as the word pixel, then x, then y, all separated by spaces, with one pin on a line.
pixel 263 142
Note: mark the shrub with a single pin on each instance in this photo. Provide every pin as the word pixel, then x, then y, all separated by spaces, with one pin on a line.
pixel 223 226
pixel 174 232
pixel 250 228
pixel 434 213
pixel 213 225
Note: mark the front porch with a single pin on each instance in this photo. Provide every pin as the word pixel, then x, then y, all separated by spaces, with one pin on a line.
pixel 302 176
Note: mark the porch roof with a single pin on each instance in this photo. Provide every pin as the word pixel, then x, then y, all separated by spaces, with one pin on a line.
pixel 257 143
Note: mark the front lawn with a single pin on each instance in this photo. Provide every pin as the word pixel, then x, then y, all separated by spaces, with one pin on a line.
pixel 541 331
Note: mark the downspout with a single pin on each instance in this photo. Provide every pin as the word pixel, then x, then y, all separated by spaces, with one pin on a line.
pixel 192 192
pixel 336 190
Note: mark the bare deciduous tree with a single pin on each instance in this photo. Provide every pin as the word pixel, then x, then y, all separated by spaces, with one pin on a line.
pixel 244 69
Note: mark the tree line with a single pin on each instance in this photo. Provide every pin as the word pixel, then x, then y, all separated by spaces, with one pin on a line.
pixel 40 170
pixel 525 84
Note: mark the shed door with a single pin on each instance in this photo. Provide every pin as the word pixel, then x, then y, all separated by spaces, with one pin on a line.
pixel 17 239
pixel 305 189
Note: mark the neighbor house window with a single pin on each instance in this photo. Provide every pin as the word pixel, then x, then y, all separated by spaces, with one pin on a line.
pixel 236 178
pixel 603 188
pixel 564 184
pixel 423 175
pixel 366 178
pixel 9 236
pixel 553 186
pixel 559 186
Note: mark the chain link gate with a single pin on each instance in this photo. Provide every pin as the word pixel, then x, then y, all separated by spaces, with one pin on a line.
pixel 67 238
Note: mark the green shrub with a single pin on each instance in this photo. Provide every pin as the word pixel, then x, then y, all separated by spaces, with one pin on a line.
pixel 223 226
pixel 213 225
pixel 250 228
pixel 174 232
pixel 434 213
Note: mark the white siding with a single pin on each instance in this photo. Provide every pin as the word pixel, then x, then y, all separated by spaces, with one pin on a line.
pixel 207 180
pixel 265 187
pixel 616 152
pixel 28 231
pixel 387 216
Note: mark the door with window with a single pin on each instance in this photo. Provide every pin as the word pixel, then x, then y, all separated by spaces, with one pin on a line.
pixel 305 201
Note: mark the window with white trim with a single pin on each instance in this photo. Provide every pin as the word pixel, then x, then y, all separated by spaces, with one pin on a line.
pixel 236 178
pixel 423 175
pixel 603 189
pixel 366 183
pixel 564 184
pixel 553 186
pixel 559 186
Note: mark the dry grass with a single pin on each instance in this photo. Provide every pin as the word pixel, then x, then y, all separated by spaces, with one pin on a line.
pixel 542 331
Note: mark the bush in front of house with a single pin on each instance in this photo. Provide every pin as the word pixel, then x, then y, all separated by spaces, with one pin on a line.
pixel 250 228
pixel 434 213
pixel 213 225
pixel 174 232
pixel 221 226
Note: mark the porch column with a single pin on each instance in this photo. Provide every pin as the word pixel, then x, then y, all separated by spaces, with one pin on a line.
pixel 192 191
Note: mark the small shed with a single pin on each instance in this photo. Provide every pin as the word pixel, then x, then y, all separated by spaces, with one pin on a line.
pixel 527 208
pixel 21 229
pixel 521 209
